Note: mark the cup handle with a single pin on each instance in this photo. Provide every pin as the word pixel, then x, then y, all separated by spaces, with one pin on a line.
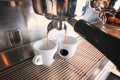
pixel 37 60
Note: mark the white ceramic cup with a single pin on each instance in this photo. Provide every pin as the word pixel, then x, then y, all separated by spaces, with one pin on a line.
pixel 68 49
pixel 44 54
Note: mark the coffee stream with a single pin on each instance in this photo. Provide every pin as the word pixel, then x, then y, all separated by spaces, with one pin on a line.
pixel 47 39
pixel 65 39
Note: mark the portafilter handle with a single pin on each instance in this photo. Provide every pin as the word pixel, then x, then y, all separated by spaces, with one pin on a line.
pixel 107 44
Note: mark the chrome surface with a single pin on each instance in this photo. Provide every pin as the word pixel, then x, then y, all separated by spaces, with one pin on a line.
pixel 39 6
pixel 19 25
pixel 108 6
pixel 55 9
pixel 56 24
pixel 14 37
pixel 11 19
pixel 58 11
pixel 18 28
pixel 14 56
pixel 98 70
pixel 104 7
pixel 65 10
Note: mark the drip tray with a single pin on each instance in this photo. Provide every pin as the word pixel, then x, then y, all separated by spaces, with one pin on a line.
pixel 79 67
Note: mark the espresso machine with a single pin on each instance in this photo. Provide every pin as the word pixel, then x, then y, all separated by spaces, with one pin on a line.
pixel 105 36
pixel 24 23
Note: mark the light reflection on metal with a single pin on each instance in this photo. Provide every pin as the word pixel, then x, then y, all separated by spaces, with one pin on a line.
pixel 5 60
pixel 31 23
pixel 59 9
pixel 117 4
pixel 12 3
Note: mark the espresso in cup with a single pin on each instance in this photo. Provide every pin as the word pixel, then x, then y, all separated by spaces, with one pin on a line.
pixel 44 53
pixel 67 49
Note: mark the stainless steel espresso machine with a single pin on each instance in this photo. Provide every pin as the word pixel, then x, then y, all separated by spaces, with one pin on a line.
pixel 25 21
pixel 108 43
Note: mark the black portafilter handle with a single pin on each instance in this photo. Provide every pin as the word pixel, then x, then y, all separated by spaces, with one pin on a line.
pixel 107 44
pixel 117 15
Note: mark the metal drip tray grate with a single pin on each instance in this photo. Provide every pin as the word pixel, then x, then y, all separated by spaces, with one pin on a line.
pixel 79 67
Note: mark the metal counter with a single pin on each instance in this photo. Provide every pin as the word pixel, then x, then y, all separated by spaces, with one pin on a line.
pixel 85 61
